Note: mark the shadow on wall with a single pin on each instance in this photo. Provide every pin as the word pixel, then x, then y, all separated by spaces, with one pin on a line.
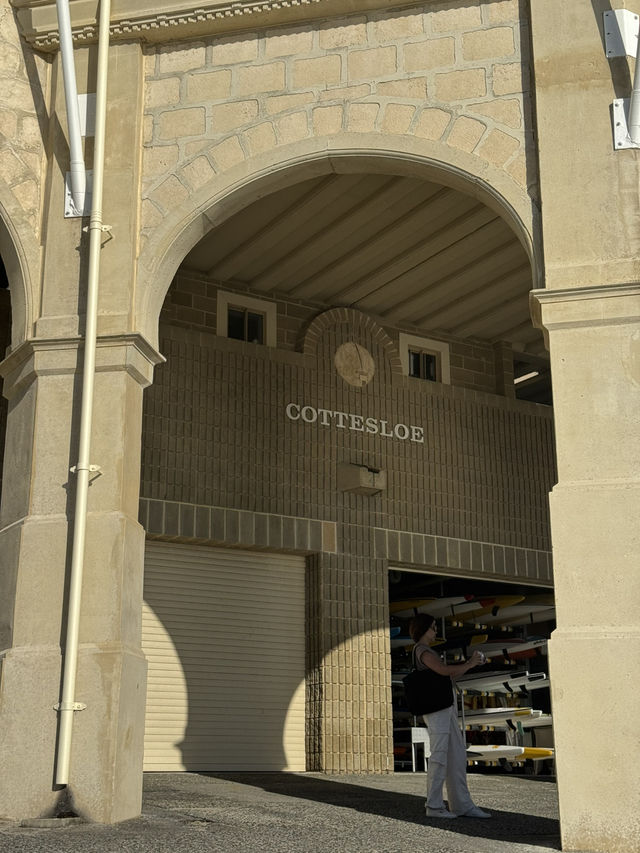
pixel 5 341
pixel 620 71
pixel 217 699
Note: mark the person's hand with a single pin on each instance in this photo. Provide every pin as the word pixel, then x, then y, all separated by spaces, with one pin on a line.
pixel 477 659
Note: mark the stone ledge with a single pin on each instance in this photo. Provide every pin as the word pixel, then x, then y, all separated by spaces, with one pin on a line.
pixel 482 560
pixel 173 20
pixel 129 351
pixel 191 523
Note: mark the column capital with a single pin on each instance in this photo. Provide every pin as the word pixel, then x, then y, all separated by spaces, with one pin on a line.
pixel 604 305
pixel 130 352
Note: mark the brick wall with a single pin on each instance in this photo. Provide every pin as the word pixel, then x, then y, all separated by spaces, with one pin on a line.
pixel 191 303
pixel 216 433
pixel 222 463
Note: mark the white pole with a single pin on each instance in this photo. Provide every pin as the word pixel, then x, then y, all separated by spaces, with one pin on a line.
pixel 634 106
pixel 67 704
pixel 76 170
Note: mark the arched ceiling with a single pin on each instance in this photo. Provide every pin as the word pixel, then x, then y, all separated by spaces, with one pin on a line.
pixel 411 253
pixel 414 254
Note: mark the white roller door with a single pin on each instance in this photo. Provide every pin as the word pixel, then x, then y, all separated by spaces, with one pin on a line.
pixel 223 632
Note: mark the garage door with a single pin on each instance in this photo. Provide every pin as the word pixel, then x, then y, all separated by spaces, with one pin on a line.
pixel 223 632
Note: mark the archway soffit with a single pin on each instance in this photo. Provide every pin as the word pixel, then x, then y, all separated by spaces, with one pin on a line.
pixel 227 194
pixel 17 245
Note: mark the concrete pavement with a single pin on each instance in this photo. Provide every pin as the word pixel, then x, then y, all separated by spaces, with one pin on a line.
pixel 307 812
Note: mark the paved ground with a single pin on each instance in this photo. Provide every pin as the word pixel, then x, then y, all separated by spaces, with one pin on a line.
pixel 309 813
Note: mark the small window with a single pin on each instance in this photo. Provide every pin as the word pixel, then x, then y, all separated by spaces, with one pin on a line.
pixel 246 318
pixel 423 365
pixel 245 325
pixel 424 358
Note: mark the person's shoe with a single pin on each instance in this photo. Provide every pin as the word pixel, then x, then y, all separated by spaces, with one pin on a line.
pixel 475 812
pixel 439 812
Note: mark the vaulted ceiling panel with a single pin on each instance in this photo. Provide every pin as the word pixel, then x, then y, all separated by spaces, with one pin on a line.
pixel 500 297
pixel 456 273
pixel 414 253
pixel 450 231
pixel 362 251
pixel 354 214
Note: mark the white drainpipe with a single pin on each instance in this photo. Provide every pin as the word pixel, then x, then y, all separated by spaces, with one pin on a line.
pixel 77 170
pixel 68 704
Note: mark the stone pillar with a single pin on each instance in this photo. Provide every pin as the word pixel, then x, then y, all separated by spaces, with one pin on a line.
pixel 590 310
pixel 503 356
pixel 42 384
pixel 594 341
pixel 348 683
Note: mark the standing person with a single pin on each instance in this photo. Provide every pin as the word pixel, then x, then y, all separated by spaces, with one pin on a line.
pixel 448 760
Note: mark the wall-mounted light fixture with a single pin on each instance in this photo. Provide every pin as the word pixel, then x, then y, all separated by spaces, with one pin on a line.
pixel 360 479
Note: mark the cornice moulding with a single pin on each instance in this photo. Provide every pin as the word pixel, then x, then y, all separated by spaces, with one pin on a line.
pixel 173 20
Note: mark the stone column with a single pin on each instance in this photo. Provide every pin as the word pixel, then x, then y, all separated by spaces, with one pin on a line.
pixel 590 310
pixel 348 679
pixel 594 341
pixel 43 383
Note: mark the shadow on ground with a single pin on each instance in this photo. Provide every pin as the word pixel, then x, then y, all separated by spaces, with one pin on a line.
pixel 376 798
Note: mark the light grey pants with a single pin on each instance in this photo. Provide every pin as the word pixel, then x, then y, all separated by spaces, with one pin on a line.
pixel 447 763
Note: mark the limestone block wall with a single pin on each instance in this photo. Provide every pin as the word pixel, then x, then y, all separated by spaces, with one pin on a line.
pixel 447 72
pixel 23 122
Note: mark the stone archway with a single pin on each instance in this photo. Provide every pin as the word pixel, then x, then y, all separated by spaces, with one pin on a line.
pixel 185 224
pixel 182 229
pixel 16 246
pixel 18 249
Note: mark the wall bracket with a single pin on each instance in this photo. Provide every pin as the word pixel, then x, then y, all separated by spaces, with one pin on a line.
pixel 70 210
pixel 620 33
pixel 621 138
pixel 70 706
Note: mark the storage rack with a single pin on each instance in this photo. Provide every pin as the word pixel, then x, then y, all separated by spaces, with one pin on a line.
pixel 505 703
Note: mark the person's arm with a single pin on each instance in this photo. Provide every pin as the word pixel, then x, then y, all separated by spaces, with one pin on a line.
pixel 453 669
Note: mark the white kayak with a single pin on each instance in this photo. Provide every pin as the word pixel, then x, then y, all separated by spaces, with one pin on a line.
pixel 513 650
pixel 495 752
pixel 492 716
pixel 503 682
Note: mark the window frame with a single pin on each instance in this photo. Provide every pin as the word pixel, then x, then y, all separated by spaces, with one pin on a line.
pixel 439 349
pixel 226 300
pixel 246 315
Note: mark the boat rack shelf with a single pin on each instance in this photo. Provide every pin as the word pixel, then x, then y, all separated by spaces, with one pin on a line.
pixel 504 706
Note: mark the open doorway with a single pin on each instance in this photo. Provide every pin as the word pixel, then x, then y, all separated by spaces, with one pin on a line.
pixel 504 706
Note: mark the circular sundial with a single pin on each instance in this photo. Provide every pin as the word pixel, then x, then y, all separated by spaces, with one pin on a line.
pixel 355 364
